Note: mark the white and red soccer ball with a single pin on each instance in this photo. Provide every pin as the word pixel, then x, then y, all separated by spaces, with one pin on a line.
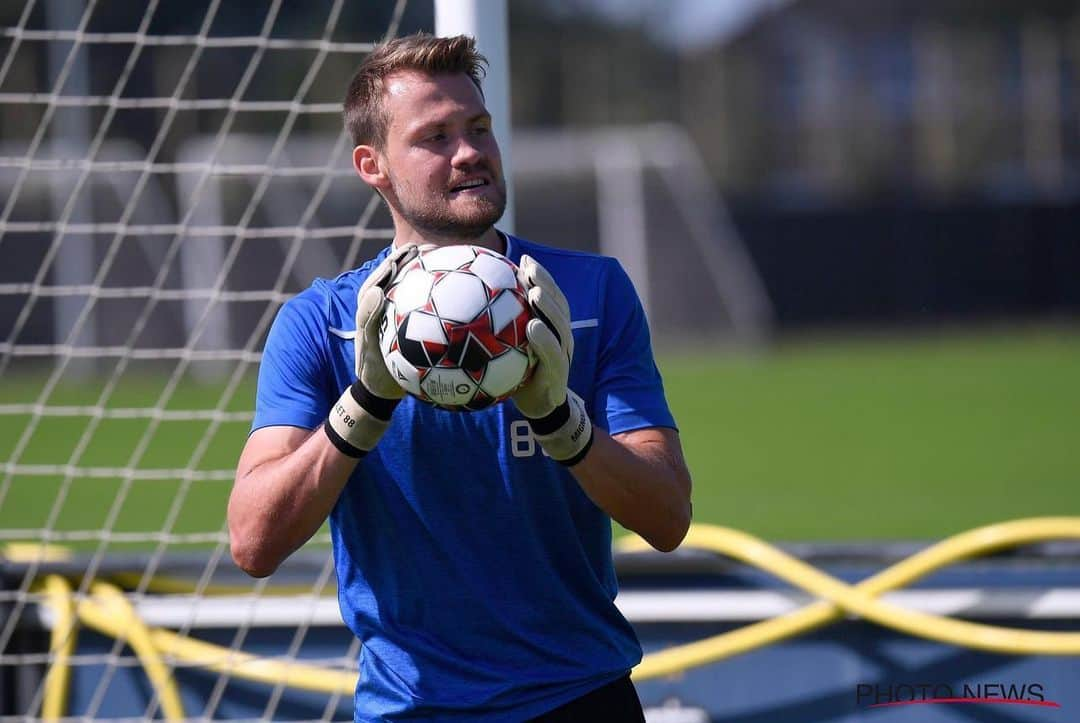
pixel 453 332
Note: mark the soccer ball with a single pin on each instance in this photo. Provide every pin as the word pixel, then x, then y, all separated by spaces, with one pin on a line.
pixel 453 332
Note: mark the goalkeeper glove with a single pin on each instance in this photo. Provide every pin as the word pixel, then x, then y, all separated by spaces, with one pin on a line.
pixel 359 418
pixel 555 413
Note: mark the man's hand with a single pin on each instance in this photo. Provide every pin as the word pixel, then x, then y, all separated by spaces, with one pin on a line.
pixel 371 370
pixel 556 414
pixel 359 418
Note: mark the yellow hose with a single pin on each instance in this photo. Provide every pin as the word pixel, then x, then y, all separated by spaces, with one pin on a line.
pixel 98 614
pixel 840 598
pixel 62 642
pixel 109 612
pixel 169 585
pixel 250 667
pixel 35 552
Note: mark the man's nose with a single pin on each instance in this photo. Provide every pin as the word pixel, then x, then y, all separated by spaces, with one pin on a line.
pixel 467 152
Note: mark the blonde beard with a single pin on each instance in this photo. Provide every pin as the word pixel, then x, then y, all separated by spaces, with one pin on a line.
pixel 441 221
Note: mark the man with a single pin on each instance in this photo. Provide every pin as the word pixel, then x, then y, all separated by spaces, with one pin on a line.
pixel 473 550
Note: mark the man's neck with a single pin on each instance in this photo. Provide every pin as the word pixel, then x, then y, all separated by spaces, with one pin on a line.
pixel 490 239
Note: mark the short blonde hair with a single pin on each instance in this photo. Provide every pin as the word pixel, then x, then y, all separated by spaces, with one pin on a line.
pixel 365 115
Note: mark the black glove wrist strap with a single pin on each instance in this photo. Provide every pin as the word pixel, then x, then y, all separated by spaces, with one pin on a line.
pixel 357 420
pixel 566 434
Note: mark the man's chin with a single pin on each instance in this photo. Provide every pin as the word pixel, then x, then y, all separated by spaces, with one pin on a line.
pixel 461 218
pixel 475 222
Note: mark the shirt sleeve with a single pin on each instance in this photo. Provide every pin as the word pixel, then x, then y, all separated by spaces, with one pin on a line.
pixel 629 390
pixel 294 381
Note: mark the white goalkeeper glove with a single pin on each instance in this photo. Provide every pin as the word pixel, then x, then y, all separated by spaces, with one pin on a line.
pixel 359 418
pixel 556 414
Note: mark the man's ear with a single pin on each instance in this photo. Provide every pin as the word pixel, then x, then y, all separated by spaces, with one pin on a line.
pixel 368 164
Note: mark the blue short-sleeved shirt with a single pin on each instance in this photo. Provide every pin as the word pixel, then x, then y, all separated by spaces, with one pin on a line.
pixel 473 568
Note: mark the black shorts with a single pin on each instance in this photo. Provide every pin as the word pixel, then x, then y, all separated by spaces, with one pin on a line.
pixel 616 702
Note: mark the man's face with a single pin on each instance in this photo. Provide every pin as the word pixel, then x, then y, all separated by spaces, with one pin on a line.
pixel 441 156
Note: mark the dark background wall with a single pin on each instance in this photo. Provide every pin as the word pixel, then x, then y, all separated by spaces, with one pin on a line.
pixel 916 263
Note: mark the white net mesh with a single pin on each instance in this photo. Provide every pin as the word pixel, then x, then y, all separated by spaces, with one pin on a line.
pixel 172 171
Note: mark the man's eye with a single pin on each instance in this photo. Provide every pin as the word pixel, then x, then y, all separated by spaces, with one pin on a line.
pixel 481 130
pixel 436 137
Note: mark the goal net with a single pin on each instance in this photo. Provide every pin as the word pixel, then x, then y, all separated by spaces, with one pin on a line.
pixel 170 172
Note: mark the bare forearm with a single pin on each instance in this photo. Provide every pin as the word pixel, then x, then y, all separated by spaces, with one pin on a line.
pixel 645 487
pixel 279 503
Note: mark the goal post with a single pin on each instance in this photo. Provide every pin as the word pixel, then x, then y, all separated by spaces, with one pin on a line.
pixel 487 22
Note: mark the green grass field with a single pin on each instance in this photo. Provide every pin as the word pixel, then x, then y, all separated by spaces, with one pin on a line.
pixel 883 438
pixel 826 439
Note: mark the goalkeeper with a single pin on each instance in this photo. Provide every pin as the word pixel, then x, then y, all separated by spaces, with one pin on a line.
pixel 473 550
